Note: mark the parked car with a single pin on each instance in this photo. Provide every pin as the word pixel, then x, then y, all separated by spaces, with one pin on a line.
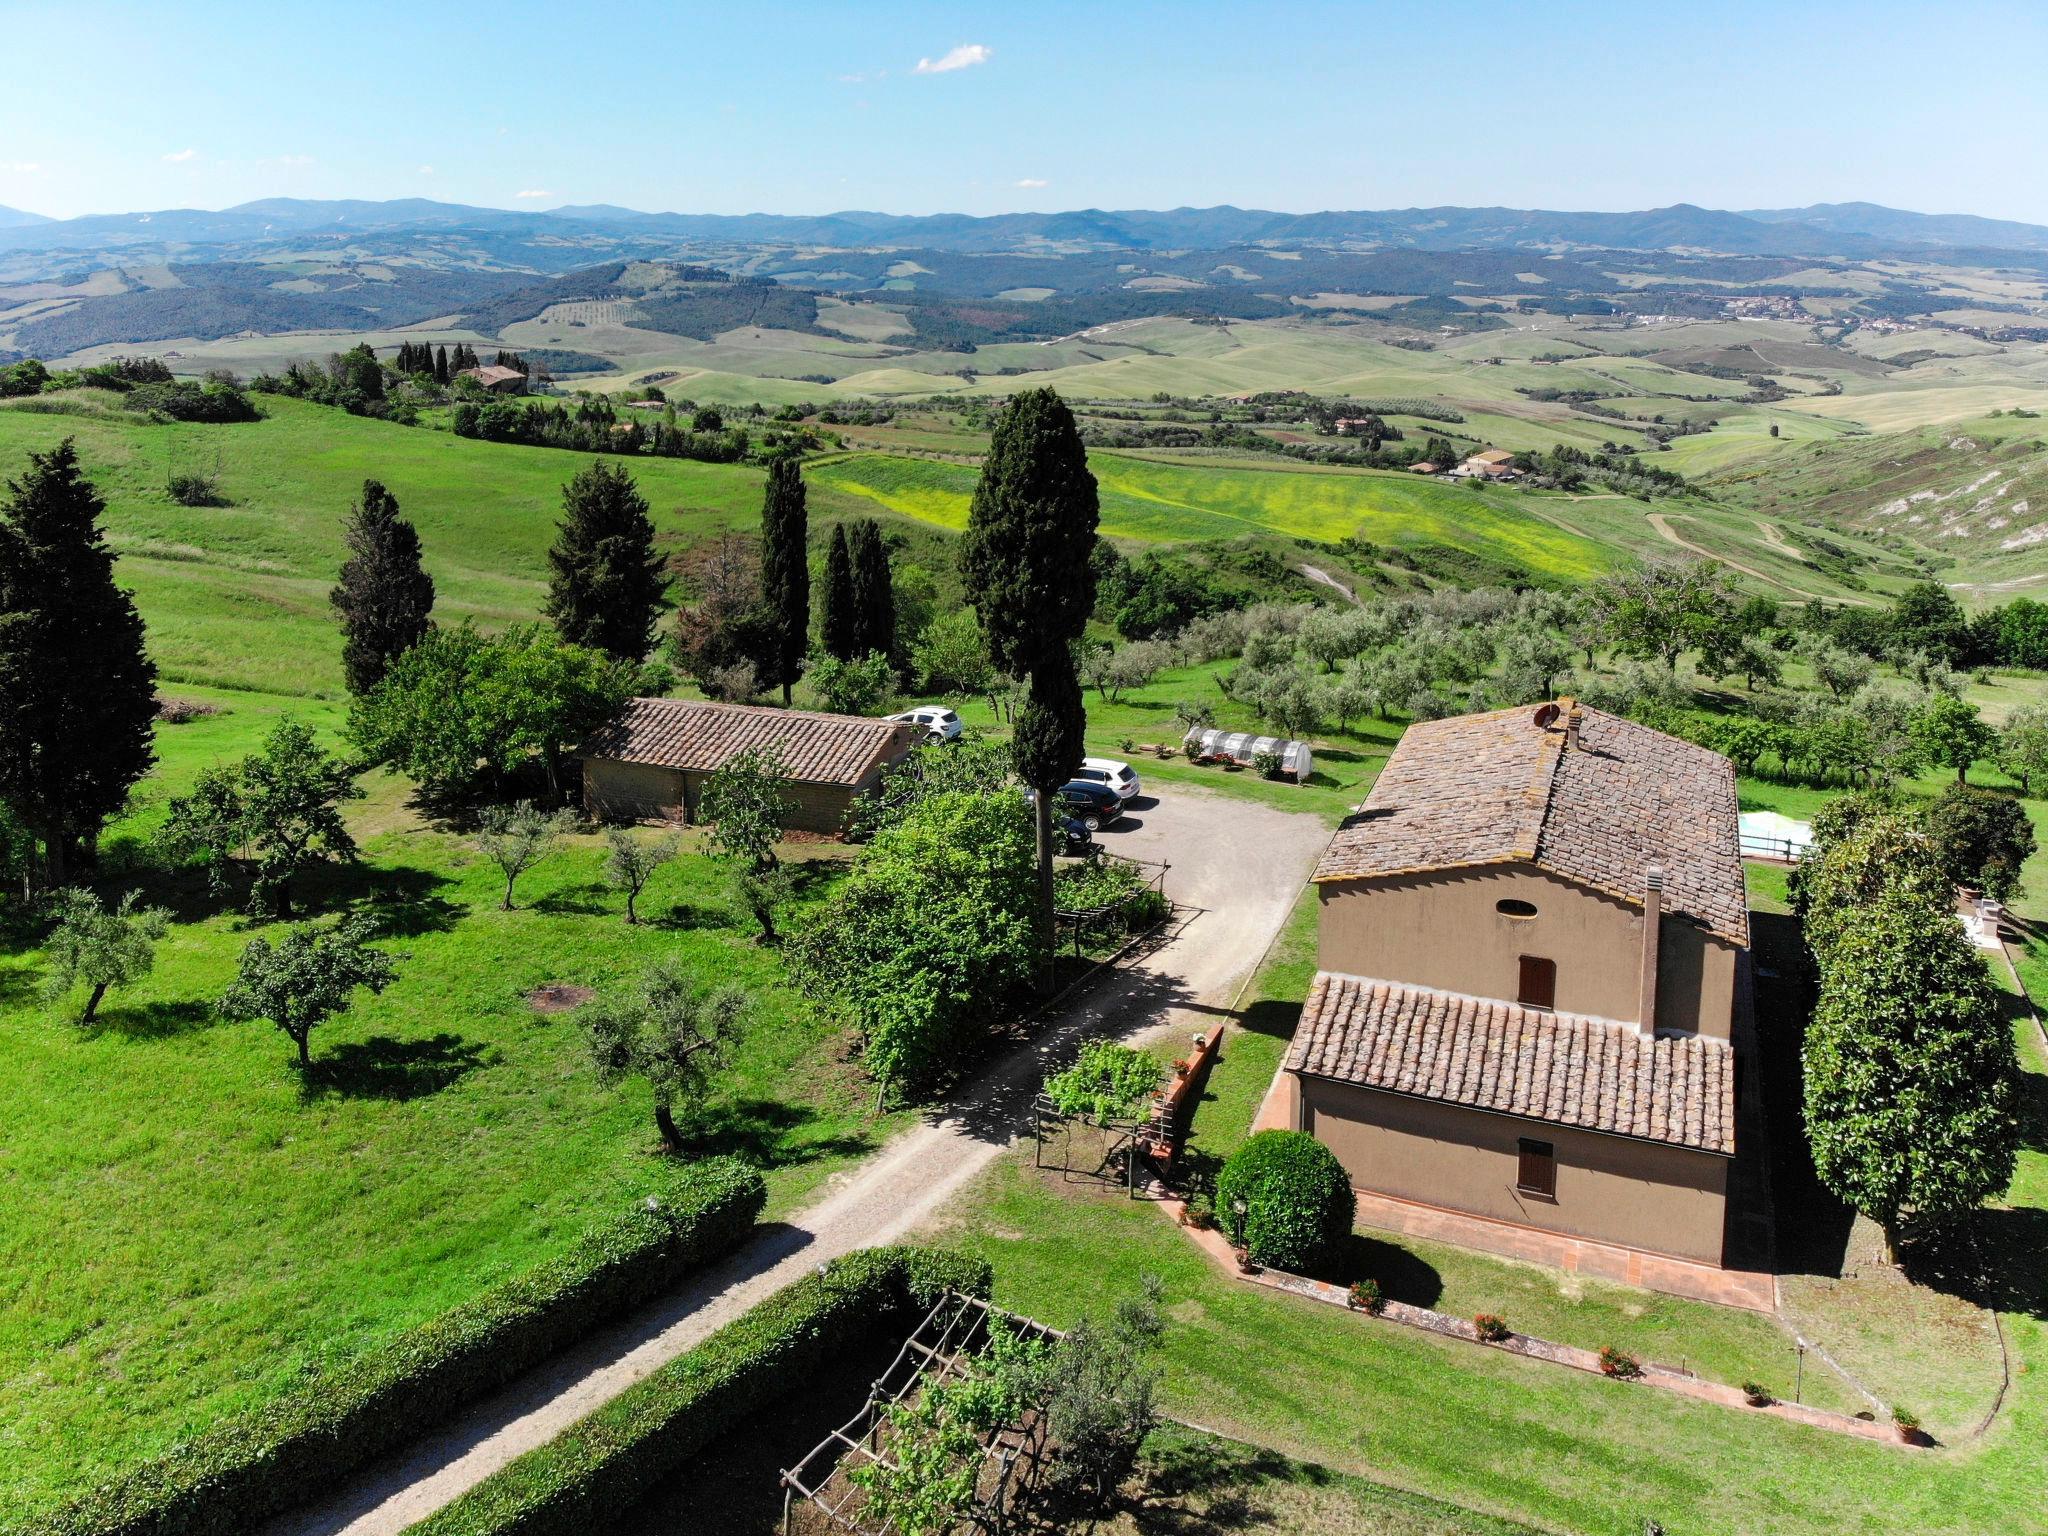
pixel 1074 840
pixel 937 722
pixel 1095 806
pixel 1108 771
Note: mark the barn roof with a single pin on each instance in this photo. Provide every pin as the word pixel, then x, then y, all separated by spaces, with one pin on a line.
pixel 700 736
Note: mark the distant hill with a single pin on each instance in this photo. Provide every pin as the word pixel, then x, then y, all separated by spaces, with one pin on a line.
pixel 19 218
pixel 1829 229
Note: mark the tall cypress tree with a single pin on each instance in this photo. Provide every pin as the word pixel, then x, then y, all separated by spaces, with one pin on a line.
pixel 785 572
pixel 441 373
pixel 1030 533
pixel 608 581
pixel 77 690
pixel 874 592
pixel 837 623
pixel 384 595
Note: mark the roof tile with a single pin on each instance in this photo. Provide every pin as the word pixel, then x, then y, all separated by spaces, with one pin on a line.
pixel 693 734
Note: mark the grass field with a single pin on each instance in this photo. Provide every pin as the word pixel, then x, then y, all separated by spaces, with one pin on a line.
pixel 237 595
pixel 189 1224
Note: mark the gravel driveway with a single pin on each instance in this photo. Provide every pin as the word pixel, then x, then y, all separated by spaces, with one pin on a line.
pixel 1236 869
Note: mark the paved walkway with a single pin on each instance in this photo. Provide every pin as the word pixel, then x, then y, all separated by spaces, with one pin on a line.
pixel 1237 867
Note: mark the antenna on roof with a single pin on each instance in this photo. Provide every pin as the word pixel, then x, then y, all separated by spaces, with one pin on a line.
pixel 1546 717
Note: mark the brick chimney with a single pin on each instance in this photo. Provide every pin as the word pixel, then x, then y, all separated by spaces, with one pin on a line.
pixel 1573 719
pixel 1653 924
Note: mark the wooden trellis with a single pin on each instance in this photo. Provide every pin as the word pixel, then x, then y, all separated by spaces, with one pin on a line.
pixel 1077 921
pixel 1128 1141
pixel 819 1494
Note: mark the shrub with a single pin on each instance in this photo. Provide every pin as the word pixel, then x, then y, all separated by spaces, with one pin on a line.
pixel 1266 764
pixel 590 1476
pixel 1201 1212
pixel 264 1461
pixel 1297 1198
pixel 1108 1082
pixel 1907 1423
pixel 1366 1296
pixel 1492 1327
pixel 182 711
pixel 1619 1363
pixel 1757 1394
pixel 196 490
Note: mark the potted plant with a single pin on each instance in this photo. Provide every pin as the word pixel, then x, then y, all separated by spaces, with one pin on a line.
pixel 1907 1423
pixel 1619 1364
pixel 1244 1259
pixel 1199 1212
pixel 1491 1327
pixel 1756 1394
pixel 1367 1297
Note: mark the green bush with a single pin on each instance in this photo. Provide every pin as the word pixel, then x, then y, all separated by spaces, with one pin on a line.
pixel 1297 1197
pixel 262 1462
pixel 590 1476
pixel 1108 1082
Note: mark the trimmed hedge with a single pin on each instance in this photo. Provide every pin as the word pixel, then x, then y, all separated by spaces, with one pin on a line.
pixel 591 1475
pixel 1297 1196
pixel 281 1453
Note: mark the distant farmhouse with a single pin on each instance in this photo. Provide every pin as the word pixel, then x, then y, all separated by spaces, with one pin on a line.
pixel 653 759
pixel 1534 940
pixel 499 380
pixel 1493 464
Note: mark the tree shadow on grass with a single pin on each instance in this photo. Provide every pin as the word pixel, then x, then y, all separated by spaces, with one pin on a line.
pixel 1402 1275
pixel 154 1021
pixel 1992 1258
pixel 590 899
pixel 686 916
pixel 767 1133
pixel 1272 1017
pixel 383 1067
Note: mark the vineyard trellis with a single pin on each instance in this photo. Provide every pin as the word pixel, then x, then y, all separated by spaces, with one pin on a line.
pixel 819 1492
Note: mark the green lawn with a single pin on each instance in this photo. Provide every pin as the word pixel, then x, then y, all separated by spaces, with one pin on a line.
pixel 189 1225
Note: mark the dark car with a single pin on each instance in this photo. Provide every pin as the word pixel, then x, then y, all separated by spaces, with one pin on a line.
pixel 1095 806
pixel 1075 842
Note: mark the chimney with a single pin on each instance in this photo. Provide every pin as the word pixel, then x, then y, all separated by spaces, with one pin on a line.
pixel 1572 720
pixel 1653 923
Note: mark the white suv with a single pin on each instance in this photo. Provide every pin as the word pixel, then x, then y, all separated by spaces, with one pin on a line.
pixel 936 721
pixel 1111 774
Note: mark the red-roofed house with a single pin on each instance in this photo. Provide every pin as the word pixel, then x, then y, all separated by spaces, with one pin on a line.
pixel 1534 935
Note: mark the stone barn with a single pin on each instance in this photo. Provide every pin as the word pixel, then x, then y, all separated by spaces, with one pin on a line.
pixel 652 760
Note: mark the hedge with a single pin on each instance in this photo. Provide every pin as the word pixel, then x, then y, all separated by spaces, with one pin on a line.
pixel 593 1474
pixel 1297 1197
pixel 283 1452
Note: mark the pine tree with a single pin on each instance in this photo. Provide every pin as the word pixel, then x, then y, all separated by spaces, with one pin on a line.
pixel 384 596
pixel 837 623
pixel 785 572
pixel 77 690
pixel 1030 576
pixel 874 593
pixel 608 581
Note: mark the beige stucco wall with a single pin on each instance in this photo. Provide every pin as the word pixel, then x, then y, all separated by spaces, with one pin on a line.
pixel 1442 930
pixel 1641 1195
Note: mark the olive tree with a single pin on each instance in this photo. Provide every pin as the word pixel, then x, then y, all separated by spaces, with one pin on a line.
pixel 99 947
pixel 669 1030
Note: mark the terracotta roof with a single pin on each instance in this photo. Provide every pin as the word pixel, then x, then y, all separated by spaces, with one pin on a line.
pixel 689 733
pixel 492 373
pixel 1500 789
pixel 1561 1068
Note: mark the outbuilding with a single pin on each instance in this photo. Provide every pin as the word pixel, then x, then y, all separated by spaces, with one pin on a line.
pixel 653 759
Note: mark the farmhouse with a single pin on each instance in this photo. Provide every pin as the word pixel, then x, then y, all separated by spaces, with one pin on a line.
pixel 654 757
pixel 1493 464
pixel 1534 935
pixel 499 380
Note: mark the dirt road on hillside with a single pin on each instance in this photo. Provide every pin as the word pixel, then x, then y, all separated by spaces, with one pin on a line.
pixel 1237 868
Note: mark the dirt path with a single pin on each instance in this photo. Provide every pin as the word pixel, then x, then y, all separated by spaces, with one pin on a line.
pixel 1324 578
pixel 1237 868
pixel 1776 540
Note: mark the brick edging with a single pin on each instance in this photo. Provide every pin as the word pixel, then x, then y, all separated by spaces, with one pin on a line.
pixel 1219 1251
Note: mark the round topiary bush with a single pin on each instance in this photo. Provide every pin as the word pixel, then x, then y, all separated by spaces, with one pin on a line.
pixel 1297 1198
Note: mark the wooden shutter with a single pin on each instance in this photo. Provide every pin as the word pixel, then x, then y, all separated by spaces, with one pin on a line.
pixel 1536 1172
pixel 1539 983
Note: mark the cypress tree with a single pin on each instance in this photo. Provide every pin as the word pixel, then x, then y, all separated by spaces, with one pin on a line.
pixel 837 621
pixel 384 596
pixel 785 572
pixel 441 373
pixel 874 593
pixel 1026 560
pixel 608 581
pixel 77 689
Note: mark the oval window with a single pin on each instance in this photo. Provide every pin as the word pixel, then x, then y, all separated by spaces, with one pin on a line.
pixel 1514 908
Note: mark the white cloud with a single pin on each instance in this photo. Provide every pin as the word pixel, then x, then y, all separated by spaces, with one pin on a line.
pixel 426 170
pixel 533 193
pixel 179 157
pixel 1032 183
pixel 963 57
pixel 21 167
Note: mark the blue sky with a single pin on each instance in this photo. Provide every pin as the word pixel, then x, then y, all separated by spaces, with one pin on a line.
pixel 1037 105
